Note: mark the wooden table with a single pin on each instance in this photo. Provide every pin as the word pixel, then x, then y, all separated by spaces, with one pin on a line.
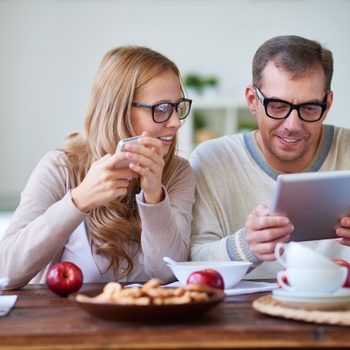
pixel 41 320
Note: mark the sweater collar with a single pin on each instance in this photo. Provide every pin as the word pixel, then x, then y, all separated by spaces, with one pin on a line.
pixel 315 165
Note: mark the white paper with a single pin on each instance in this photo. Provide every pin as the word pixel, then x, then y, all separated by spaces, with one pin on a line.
pixel 249 287
pixel 7 302
pixel 243 287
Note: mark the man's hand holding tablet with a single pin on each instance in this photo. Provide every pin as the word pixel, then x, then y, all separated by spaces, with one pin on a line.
pixel 314 202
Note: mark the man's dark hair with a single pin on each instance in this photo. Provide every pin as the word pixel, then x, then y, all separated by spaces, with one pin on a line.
pixel 295 55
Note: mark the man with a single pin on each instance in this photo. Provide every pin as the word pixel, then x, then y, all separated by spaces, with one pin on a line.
pixel 236 175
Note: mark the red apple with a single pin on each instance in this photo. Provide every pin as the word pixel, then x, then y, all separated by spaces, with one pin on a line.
pixel 346 264
pixel 64 278
pixel 209 277
pixel 284 279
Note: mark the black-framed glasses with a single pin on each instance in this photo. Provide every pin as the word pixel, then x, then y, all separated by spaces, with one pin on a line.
pixel 280 109
pixel 161 112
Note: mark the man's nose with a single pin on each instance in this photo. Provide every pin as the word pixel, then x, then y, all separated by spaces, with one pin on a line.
pixel 293 122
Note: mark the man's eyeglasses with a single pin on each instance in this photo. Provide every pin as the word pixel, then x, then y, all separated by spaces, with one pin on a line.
pixel 161 112
pixel 280 109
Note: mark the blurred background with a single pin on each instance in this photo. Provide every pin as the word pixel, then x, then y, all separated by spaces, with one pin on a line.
pixel 50 51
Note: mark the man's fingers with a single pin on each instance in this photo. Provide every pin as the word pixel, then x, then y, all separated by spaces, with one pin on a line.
pixel 268 257
pixel 261 210
pixel 269 245
pixel 344 241
pixel 265 222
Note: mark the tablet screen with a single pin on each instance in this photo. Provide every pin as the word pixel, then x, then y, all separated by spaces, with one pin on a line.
pixel 313 202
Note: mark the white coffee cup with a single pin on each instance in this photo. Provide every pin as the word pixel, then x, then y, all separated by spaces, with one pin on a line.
pixel 313 280
pixel 298 255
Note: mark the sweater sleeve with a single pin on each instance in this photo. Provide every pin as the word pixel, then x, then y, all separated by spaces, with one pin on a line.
pixel 166 226
pixel 212 235
pixel 40 226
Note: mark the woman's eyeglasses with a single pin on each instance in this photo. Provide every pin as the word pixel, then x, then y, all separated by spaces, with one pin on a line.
pixel 161 112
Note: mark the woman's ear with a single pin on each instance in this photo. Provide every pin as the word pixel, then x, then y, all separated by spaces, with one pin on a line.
pixel 250 96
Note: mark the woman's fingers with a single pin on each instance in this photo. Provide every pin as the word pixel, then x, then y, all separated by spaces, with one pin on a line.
pixel 102 183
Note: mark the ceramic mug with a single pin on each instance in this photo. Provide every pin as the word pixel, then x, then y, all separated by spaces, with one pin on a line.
pixel 298 255
pixel 312 280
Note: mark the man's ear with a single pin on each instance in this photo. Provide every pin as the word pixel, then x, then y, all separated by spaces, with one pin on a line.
pixel 250 96
pixel 329 104
pixel 329 100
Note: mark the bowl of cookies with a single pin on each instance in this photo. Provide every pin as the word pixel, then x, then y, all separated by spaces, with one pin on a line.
pixel 150 302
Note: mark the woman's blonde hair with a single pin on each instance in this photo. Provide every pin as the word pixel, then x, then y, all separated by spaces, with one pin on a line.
pixel 115 228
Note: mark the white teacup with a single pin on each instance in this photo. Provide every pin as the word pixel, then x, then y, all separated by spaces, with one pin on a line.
pixel 313 280
pixel 298 255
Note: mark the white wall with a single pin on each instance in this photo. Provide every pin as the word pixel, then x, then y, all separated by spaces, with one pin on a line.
pixel 50 50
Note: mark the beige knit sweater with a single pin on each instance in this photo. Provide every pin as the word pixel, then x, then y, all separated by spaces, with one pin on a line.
pixel 47 227
pixel 232 178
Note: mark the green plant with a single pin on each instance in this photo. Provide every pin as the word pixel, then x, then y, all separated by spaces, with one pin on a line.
pixel 199 121
pixel 194 81
pixel 212 81
pixel 198 82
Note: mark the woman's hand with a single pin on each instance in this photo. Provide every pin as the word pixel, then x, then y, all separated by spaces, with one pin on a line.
pixel 147 160
pixel 102 183
pixel 264 231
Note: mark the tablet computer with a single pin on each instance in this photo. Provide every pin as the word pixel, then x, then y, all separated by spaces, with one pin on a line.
pixel 313 202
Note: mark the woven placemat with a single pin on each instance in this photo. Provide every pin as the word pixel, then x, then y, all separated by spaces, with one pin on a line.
pixel 267 305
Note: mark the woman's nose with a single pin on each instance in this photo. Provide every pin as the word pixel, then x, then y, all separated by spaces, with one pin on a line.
pixel 174 120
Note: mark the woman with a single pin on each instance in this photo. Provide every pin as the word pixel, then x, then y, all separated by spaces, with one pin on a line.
pixel 81 205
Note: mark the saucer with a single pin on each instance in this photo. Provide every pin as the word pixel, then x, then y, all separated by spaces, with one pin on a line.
pixel 317 301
